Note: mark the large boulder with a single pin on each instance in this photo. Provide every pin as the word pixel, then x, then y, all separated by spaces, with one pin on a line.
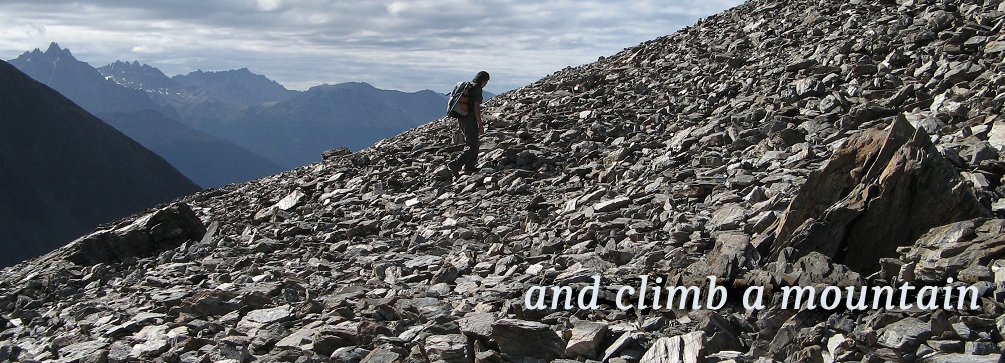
pixel 163 229
pixel 883 189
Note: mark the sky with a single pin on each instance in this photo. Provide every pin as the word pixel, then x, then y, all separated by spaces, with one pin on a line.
pixel 401 45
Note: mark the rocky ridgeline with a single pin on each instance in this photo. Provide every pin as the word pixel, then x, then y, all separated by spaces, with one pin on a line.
pixel 778 144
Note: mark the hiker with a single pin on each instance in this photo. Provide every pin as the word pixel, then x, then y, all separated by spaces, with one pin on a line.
pixel 471 126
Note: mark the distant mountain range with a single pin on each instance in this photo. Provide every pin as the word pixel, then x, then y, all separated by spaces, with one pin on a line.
pixel 154 125
pixel 63 171
pixel 354 115
pixel 291 128
pixel 80 82
pixel 239 86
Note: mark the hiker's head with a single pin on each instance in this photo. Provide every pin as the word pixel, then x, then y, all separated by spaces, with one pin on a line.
pixel 481 79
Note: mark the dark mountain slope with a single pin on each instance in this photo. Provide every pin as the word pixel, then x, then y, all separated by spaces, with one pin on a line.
pixel 208 160
pixel 65 171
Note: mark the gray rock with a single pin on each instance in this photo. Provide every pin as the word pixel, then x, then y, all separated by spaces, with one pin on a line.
pixel 586 339
pixel 678 349
pixel 728 217
pixel 82 350
pixel 623 342
pixel 959 358
pixel 904 335
pixel 380 355
pixel 452 348
pixel 164 229
pixel 478 325
pixel 518 339
pixel 845 206
pixel 612 205
pixel 944 251
pixel 981 348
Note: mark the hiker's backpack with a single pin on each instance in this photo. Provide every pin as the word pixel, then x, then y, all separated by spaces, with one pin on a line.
pixel 457 105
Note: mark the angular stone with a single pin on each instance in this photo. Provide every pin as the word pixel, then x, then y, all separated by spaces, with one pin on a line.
pixel 232 347
pixel 290 201
pixel 586 338
pixel 612 205
pixel 944 251
pixel 731 255
pixel 296 339
pixel 82 350
pixel 620 344
pixel 163 229
pixel 478 325
pixel 959 358
pixel 518 339
pixel 687 348
pixel 905 334
pixel 728 217
pixel 994 47
pixel 350 355
pixel 996 137
pixel 452 348
pixel 381 355
pixel 257 319
pixel 858 216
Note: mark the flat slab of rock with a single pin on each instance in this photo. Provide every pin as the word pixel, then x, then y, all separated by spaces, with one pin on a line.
pixel 961 358
pixel 381 355
pixel 451 348
pixel 478 325
pixel 519 339
pixel 904 334
pixel 612 205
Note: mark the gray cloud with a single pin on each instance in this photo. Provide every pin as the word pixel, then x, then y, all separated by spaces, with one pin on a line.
pixel 406 45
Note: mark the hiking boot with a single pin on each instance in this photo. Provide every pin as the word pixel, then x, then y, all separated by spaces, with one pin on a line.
pixel 455 171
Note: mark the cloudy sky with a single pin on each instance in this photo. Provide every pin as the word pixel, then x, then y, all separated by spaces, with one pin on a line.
pixel 403 45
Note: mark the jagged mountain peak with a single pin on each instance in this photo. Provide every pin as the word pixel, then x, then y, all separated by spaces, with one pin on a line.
pixel 55 50
pixel 77 80
pixel 144 77
pixel 237 85
pixel 51 54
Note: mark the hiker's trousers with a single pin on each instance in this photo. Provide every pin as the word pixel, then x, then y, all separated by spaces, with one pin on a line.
pixel 469 157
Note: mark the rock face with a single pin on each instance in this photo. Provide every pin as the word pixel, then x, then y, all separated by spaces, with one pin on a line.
pixel 760 146
pixel 65 172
